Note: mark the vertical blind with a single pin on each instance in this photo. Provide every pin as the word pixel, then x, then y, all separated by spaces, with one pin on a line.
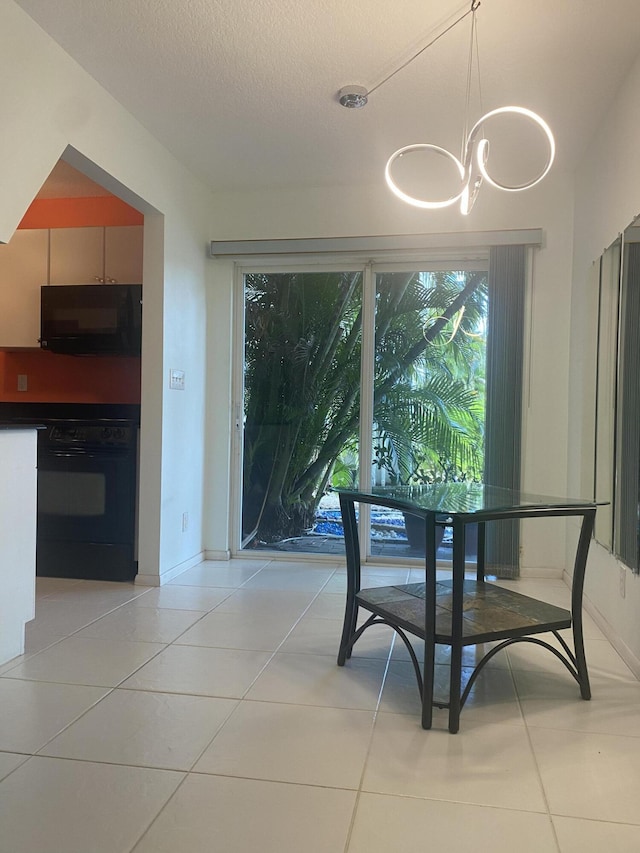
pixel 503 416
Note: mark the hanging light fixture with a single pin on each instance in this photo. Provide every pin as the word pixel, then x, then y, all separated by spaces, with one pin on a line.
pixel 472 167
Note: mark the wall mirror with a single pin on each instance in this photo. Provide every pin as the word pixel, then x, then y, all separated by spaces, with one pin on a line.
pixel 617 399
pixel 607 271
pixel 627 441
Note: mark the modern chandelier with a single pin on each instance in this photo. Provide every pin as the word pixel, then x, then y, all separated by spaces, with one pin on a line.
pixel 472 166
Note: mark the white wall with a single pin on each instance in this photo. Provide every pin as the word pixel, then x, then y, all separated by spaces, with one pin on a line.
pixel 356 211
pixel 48 103
pixel 607 198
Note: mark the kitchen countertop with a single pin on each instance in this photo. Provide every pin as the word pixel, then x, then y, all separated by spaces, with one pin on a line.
pixel 8 425
pixel 14 413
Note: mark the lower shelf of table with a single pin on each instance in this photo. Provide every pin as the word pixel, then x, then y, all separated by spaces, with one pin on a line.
pixel 489 611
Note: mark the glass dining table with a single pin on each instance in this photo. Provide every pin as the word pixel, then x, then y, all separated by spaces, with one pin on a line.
pixel 462 610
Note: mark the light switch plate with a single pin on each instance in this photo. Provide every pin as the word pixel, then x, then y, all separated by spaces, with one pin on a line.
pixel 22 382
pixel 176 380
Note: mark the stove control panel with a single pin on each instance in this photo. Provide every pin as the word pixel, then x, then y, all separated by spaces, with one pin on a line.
pixel 95 434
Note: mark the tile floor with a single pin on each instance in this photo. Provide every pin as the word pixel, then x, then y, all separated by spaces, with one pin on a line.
pixel 210 715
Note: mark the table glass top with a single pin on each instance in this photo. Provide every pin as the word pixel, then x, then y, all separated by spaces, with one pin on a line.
pixel 465 498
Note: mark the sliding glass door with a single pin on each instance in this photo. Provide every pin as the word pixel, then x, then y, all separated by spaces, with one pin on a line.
pixel 373 373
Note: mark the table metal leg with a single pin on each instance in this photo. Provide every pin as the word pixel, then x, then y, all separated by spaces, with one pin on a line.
pixel 480 556
pixel 429 621
pixel 352 550
pixel 455 683
pixel 586 531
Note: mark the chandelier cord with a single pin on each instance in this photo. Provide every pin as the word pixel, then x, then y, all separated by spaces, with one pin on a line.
pixel 480 100
pixel 474 52
pixel 467 100
pixel 474 5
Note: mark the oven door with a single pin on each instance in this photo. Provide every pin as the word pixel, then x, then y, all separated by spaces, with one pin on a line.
pixel 86 512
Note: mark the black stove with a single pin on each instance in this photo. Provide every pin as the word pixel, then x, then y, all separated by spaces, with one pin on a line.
pixel 87 487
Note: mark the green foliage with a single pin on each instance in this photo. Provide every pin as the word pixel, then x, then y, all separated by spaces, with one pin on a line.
pixel 302 384
pixel 429 382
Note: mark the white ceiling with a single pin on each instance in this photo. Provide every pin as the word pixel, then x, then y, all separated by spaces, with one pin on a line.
pixel 244 91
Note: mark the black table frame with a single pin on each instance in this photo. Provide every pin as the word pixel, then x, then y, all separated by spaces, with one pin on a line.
pixel 386 604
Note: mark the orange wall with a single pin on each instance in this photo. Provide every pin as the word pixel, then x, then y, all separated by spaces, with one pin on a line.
pixel 54 378
pixel 79 212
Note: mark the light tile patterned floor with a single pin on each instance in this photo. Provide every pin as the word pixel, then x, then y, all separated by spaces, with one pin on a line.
pixel 210 715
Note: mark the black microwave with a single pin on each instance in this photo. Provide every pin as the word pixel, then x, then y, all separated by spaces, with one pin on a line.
pixel 91 319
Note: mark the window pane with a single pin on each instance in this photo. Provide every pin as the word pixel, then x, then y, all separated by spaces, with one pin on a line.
pixel 301 406
pixel 429 382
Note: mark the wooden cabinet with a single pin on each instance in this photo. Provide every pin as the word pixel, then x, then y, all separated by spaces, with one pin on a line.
pixel 23 270
pixel 87 255
pixel 60 256
pixel 76 255
pixel 123 253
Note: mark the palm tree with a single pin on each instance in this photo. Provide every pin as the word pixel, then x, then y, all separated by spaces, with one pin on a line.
pixel 429 377
pixel 302 383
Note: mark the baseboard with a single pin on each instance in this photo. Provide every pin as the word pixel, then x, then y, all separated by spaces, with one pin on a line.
pixel 548 573
pixel 169 574
pixel 629 657
pixel 217 555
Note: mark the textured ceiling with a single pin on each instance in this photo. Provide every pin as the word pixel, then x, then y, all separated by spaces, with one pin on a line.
pixel 244 91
